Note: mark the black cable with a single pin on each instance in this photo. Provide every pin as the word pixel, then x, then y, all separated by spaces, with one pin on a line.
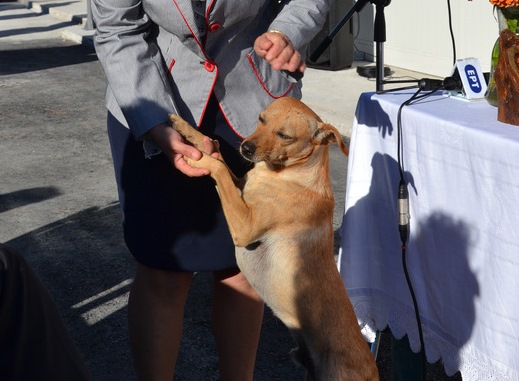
pixel 399 134
pixel 452 33
pixel 414 97
pixel 403 195
pixel 403 218
pixel 416 311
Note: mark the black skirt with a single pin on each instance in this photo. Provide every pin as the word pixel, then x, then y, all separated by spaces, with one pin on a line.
pixel 171 221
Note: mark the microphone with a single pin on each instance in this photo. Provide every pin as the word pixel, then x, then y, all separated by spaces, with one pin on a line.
pixel 403 212
pixel 449 83
pixel 296 75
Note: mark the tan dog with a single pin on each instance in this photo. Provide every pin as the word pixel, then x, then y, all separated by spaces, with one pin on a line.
pixel 282 214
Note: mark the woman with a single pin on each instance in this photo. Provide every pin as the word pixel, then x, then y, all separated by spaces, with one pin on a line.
pixel 217 64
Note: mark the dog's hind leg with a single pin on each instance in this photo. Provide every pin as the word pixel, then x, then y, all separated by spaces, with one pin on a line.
pixel 301 355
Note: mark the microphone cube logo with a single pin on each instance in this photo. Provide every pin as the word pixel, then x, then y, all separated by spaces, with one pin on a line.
pixel 473 79
pixel 474 85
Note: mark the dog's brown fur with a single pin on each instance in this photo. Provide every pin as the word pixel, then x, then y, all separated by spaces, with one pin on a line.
pixel 281 213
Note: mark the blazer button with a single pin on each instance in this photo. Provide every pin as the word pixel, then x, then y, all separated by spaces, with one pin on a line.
pixel 214 27
pixel 209 66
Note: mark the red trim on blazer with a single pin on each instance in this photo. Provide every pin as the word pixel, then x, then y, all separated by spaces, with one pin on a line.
pixel 172 63
pixel 263 84
pixel 191 30
pixel 210 28
pixel 207 100
pixel 209 9
pixel 228 122
pixel 204 53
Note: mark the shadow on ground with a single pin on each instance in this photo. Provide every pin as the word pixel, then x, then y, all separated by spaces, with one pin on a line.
pixel 87 269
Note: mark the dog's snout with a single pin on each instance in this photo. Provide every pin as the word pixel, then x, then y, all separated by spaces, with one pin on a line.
pixel 248 149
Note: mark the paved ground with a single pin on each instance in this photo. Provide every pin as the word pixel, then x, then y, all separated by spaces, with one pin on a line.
pixel 58 202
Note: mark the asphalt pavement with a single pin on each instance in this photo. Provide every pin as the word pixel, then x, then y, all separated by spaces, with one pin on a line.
pixel 58 199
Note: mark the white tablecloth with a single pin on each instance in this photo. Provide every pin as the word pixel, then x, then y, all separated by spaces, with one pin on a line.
pixel 462 167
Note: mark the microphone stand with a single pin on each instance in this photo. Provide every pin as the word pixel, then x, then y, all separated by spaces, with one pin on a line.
pixel 357 7
pixel 379 38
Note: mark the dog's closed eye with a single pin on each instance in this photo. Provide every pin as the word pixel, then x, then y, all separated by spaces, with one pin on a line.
pixel 283 135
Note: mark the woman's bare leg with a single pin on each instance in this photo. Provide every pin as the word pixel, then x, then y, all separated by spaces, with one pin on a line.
pixel 237 319
pixel 155 319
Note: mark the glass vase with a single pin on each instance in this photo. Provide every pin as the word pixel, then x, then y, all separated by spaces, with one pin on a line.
pixel 507 18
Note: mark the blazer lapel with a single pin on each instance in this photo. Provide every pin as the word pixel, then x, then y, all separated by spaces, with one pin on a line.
pixel 185 8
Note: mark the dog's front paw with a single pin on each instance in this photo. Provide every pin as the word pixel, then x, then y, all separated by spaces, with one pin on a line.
pixel 179 124
pixel 205 162
pixel 193 136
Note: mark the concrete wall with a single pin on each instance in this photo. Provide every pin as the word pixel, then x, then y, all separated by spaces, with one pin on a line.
pixel 418 36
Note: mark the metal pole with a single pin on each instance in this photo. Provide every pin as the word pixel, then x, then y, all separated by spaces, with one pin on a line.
pixel 380 38
pixel 380 67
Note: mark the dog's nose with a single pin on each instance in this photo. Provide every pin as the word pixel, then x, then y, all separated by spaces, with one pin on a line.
pixel 247 149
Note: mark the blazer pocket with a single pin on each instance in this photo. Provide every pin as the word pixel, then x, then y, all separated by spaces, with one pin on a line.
pixel 276 83
pixel 165 45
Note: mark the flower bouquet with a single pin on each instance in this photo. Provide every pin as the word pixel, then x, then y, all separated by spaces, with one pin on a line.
pixel 507 12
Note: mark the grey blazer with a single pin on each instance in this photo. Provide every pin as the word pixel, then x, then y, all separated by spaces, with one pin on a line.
pixel 167 56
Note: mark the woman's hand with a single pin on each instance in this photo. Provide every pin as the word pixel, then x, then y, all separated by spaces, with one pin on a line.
pixel 277 49
pixel 175 148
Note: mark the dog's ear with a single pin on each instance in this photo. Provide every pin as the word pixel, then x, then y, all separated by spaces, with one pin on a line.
pixel 328 134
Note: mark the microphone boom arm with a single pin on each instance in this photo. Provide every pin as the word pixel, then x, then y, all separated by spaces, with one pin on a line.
pixel 379 38
pixel 357 7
